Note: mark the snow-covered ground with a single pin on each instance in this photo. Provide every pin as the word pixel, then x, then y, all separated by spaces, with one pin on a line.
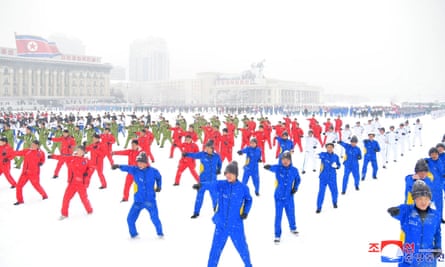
pixel 32 235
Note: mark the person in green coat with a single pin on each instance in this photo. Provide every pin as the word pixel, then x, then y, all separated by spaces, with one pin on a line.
pixel 166 132
pixel 78 135
pixel 114 127
pixel 9 134
pixel 155 131
pixel 89 133
pixel 131 132
pixel 43 133
pixel 27 138
pixel 56 145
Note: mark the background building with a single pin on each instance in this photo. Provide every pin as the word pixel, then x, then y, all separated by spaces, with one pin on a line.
pixel 118 73
pixel 149 60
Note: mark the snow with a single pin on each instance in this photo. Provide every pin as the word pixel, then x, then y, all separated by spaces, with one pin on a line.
pixel 32 235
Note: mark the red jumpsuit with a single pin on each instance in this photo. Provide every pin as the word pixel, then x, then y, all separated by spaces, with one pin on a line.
pixel 132 154
pixel 66 149
pixel 187 162
pixel 216 137
pixel 279 130
pixel 177 135
pixel 193 134
pixel 5 163
pixel 226 146
pixel 259 135
pixel 297 133
pixel 338 125
pixel 287 123
pixel 208 130
pixel 251 125
pixel 108 140
pixel 79 174
pixel 145 142
pixel 317 133
pixel 33 159
pixel 98 152
pixel 245 137
pixel 267 132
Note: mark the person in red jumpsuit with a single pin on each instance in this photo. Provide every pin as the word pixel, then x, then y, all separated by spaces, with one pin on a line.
pixel 207 129
pixel 338 125
pixel 245 136
pixel 98 151
pixel 33 159
pixel 79 174
pixel 279 130
pixel 185 162
pixel 297 134
pixel 216 138
pixel 145 139
pixel 226 145
pixel 327 125
pixel 251 124
pixel 108 140
pixel 177 136
pixel 132 155
pixel 67 144
pixel 287 123
pixel 316 129
pixel 5 160
pixel 267 131
pixel 192 133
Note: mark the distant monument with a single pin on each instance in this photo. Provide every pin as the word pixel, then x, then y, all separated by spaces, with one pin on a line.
pixel 255 73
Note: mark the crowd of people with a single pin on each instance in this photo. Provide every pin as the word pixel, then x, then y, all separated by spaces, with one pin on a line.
pixel 28 139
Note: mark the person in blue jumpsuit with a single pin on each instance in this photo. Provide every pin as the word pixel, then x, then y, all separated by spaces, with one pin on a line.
pixel 285 144
pixel 253 156
pixel 353 155
pixel 148 181
pixel 330 163
pixel 420 224
pixel 233 206
pixel 437 170
pixel 210 167
pixel 287 180
pixel 371 149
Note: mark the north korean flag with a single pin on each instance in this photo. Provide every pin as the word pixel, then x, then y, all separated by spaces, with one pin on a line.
pixel 35 46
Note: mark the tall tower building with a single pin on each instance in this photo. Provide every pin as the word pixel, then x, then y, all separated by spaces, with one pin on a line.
pixel 149 60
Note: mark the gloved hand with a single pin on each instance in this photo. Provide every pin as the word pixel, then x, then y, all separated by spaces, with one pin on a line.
pixel 40 163
pixel 397 139
pixel 394 211
pixel 239 152
pixel 267 166
pixel 184 154
pixel 115 166
pixel 243 216
pixel 334 165
pixel 294 190
pixel 95 146
pixel 196 186
pixel 157 189
pixel 314 147
pixel 259 161
pixel 175 145
pixel 50 138
pixel 376 150
pixel 84 143
pixel 50 156
pixel 359 157
pixel 437 253
pixel 218 171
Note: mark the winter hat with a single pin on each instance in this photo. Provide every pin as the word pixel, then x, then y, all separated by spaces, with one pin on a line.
pixel 286 155
pixel 354 139
pixel 232 168
pixel 4 139
pixel 66 131
pixel 285 133
pixel 142 157
pixel 420 189
pixel 442 145
pixel 254 140
pixel 421 166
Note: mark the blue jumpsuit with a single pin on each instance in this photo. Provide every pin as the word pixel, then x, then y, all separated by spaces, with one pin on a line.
pixel 210 168
pixel 328 177
pixel 233 200
pixel 437 171
pixel 371 149
pixel 253 156
pixel 423 234
pixel 144 197
pixel 288 179
pixel 353 155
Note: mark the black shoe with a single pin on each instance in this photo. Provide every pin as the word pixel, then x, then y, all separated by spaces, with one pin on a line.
pixel 12 186
pixel 395 160
pixel 343 192
pixel 175 184
pixel 257 194
pixel 102 187
pixel 401 154
pixel 303 172
pixel 384 166
pixel 363 178
pixel 276 240
pixel 386 162
pixel 374 177
pixel 443 221
pixel 124 200
pixel 45 197
pixel 295 232
pixel 18 203
pixel 314 170
pixel 317 211
pixel 194 216
pixel 335 206
pixel 55 176
pixel 357 188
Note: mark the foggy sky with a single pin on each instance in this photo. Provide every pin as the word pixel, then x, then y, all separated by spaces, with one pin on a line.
pixel 374 48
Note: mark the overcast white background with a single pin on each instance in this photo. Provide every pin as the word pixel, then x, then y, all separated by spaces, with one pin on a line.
pixel 378 48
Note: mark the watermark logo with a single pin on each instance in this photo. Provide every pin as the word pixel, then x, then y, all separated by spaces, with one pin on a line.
pixel 396 251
